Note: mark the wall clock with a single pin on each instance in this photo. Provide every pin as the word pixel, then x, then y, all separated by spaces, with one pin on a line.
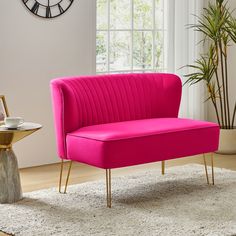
pixel 48 8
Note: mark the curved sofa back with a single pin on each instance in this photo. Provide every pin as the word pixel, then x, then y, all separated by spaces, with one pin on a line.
pixel 91 100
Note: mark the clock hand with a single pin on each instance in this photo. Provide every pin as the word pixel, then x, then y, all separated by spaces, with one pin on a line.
pixel 48 12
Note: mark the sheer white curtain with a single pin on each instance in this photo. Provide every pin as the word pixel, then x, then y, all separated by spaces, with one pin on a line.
pixel 183 49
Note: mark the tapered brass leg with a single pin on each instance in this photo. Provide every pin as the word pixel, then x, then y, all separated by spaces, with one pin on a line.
pixel 67 178
pixel 212 169
pixel 204 158
pixel 68 175
pixel 163 167
pixel 62 162
pixel 108 187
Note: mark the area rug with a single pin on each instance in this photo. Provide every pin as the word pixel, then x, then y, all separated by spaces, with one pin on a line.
pixel 145 203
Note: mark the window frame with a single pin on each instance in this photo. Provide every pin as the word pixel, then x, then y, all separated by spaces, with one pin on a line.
pixel 132 30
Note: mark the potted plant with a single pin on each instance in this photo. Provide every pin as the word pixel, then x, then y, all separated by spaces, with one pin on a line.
pixel 218 26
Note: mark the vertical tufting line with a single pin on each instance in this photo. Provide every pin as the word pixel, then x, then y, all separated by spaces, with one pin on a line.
pixel 102 101
pixel 125 100
pixel 132 102
pixel 92 102
pixel 118 95
pixel 98 102
pixel 138 98
pixel 149 96
pixel 82 104
pixel 152 93
pixel 70 85
pixel 88 103
pixel 85 112
pixel 142 96
pixel 157 109
pixel 109 98
pixel 114 103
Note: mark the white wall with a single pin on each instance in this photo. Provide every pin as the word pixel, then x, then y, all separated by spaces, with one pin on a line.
pixel 32 52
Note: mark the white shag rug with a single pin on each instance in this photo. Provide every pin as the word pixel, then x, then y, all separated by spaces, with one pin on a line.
pixel 146 203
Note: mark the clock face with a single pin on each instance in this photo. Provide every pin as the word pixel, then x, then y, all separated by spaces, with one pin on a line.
pixel 48 8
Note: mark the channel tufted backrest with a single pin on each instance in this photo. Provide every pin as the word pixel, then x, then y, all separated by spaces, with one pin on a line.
pixel 91 100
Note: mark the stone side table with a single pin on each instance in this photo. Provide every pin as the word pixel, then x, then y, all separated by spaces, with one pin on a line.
pixel 10 186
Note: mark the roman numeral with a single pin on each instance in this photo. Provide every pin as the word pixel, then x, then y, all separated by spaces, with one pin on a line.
pixel 48 12
pixel 60 8
pixel 35 7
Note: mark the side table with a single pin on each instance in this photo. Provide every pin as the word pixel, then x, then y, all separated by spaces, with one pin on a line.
pixel 10 185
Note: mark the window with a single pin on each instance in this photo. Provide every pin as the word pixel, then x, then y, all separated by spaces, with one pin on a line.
pixel 130 36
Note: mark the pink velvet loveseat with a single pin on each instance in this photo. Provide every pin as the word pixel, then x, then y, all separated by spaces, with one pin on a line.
pixel 113 121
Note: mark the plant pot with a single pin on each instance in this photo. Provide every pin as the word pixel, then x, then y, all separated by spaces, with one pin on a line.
pixel 227 143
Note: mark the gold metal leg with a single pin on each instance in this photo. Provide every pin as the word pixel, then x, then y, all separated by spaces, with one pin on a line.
pixel 204 158
pixel 163 167
pixel 212 169
pixel 68 175
pixel 108 187
pixel 67 178
pixel 62 162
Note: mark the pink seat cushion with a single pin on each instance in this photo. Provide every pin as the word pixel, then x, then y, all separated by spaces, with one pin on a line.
pixel 135 142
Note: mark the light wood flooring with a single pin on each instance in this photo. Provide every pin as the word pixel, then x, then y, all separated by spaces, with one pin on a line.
pixel 47 176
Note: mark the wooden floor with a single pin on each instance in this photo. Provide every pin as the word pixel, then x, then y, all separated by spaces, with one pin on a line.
pixel 47 176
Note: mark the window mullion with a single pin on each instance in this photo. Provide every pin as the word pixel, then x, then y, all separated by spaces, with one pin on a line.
pixel 163 33
pixel 108 35
pixel 154 35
